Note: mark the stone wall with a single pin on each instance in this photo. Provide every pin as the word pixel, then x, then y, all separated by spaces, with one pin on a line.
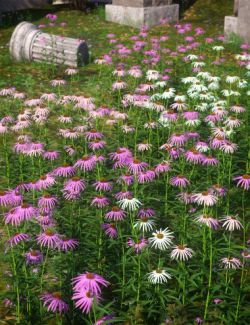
pixel 14 5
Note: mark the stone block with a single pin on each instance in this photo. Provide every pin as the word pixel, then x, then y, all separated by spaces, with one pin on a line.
pixel 244 19
pixel 149 16
pixel 141 3
pixel 230 26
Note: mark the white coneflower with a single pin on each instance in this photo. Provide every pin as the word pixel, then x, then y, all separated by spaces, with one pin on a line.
pixel 130 203
pixel 71 71
pixel 197 87
pixel 158 276
pixel 144 224
pixel 231 263
pixel 204 75
pixel 161 239
pixel 168 93
pixel 198 64
pixel 160 84
pixel 189 80
pixel 231 223
pixel 232 79
pixel 181 253
pixel 205 198
pixel 213 85
pixel 242 84
pixel 192 57
pixel 152 75
pixel 218 48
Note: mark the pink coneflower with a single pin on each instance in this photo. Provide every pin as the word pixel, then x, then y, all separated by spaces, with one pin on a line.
pixel 89 282
pixel 127 179
pixel 146 213
pixel 25 211
pixel 120 72
pixel 231 223
pixel 51 155
pixel 96 145
pixel 58 82
pixel 93 135
pixel 228 147
pixel 51 97
pixel 243 181
pixel 123 195
pixel 85 299
pixel 65 119
pixel 13 218
pixel 207 220
pixel 218 190
pixel 178 139
pixel 103 185
pixel 144 146
pixel 116 214
pixel 4 198
pixel 64 171
pixel 14 197
pixel 232 122
pixel 186 197
pixel 210 161
pixel 136 166
pixel 179 180
pixel 135 72
pixel 100 201
pixel 86 163
pixel 137 245
pixel 205 198
pixel 237 109
pixel 45 220
pixel 47 202
pixel 45 182
pixel 49 239
pixel 162 167
pixel 110 230
pixel 74 184
pixel 217 301
pixel 17 238
pixel 217 142
pixel 33 257
pixel 66 244
pixel 245 254
pixel 122 155
pixel 181 253
pixel 194 156
pixel 231 263
pixel 146 176
pixel 119 85
pixel 53 302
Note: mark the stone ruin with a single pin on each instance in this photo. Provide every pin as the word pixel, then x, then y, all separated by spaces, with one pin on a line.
pixel 137 13
pixel 28 43
pixel 239 24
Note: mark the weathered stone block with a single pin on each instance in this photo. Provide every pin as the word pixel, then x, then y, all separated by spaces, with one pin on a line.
pixel 244 19
pixel 141 3
pixel 149 16
pixel 230 26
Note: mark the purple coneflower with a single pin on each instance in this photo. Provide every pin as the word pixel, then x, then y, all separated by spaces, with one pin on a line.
pixel 243 181
pixel 178 139
pixel 53 302
pixel 210 161
pixel 194 156
pixel 93 135
pixel 4 198
pixel 44 182
pixel 137 245
pixel 110 230
pixel 64 171
pixel 49 239
pixel 136 166
pixel 85 299
pixel 127 179
pixel 100 201
pixel 34 257
pixel 17 238
pixel 179 180
pixel 116 214
pixel 89 282
pixel 146 176
pixel 123 195
pixel 75 184
pixel 86 163
pixel 47 202
pixel 103 185
pixel 66 244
